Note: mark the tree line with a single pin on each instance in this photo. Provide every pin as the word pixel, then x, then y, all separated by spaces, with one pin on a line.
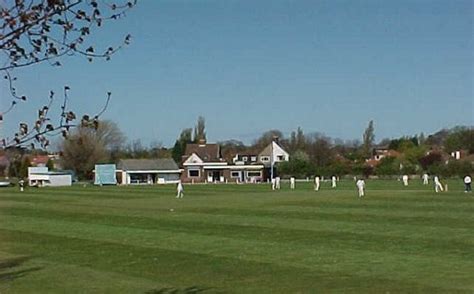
pixel 310 153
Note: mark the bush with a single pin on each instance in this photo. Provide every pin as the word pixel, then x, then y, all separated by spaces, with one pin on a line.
pixel 388 166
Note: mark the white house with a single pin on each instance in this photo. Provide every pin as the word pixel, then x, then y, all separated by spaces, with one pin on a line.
pixel 41 177
pixel 272 154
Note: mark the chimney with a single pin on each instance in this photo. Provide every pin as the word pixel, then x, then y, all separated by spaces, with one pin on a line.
pixel 202 141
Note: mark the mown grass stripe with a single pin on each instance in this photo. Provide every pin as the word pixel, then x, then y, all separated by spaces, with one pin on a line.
pixel 185 266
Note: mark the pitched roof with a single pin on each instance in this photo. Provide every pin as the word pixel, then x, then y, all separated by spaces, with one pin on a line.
pixel 147 164
pixel 270 149
pixel 267 151
pixel 40 159
pixel 207 152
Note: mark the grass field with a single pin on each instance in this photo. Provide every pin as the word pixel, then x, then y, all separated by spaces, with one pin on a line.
pixel 230 238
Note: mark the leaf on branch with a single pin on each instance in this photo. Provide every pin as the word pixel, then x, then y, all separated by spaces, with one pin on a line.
pixel 85 31
pixel 96 123
pixel 85 120
pixel 70 116
pixel 127 39
pixel 38 125
pixel 23 129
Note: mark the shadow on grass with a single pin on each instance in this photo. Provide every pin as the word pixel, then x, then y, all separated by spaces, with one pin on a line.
pixel 189 290
pixel 11 268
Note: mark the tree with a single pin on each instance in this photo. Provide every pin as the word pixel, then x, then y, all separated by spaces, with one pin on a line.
pixel 87 147
pixel 37 31
pixel 298 166
pixel 50 164
pixel 297 140
pixel 388 166
pixel 230 148
pixel 320 150
pixel 460 138
pixel 266 138
pixel 199 130
pixel 368 139
pixel 19 166
pixel 180 145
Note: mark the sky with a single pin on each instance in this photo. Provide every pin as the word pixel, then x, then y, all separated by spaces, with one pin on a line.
pixel 250 66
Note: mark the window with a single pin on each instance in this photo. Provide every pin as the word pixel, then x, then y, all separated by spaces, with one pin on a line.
pixel 235 174
pixel 244 158
pixel 253 158
pixel 254 174
pixel 280 158
pixel 193 173
pixel 264 158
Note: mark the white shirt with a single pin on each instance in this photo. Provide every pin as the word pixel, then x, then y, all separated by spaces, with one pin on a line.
pixel 360 184
pixel 467 180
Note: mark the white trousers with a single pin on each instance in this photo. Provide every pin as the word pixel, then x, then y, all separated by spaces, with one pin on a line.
pixel 438 187
pixel 316 187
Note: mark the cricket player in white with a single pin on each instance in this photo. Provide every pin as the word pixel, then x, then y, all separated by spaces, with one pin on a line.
pixel 21 183
pixel 316 183
pixel 277 183
pixel 179 190
pixel 405 180
pixel 361 187
pixel 273 184
pixel 438 185
pixel 333 180
pixel 467 184
pixel 292 183
pixel 426 179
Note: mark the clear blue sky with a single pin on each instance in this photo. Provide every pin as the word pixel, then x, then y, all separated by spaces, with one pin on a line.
pixel 249 66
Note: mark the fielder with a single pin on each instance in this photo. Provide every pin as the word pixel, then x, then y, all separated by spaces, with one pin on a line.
pixel 426 179
pixel 316 183
pixel 333 180
pixel 361 187
pixel 292 183
pixel 273 184
pixel 438 185
pixel 277 183
pixel 467 184
pixel 21 183
pixel 179 190
pixel 405 180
